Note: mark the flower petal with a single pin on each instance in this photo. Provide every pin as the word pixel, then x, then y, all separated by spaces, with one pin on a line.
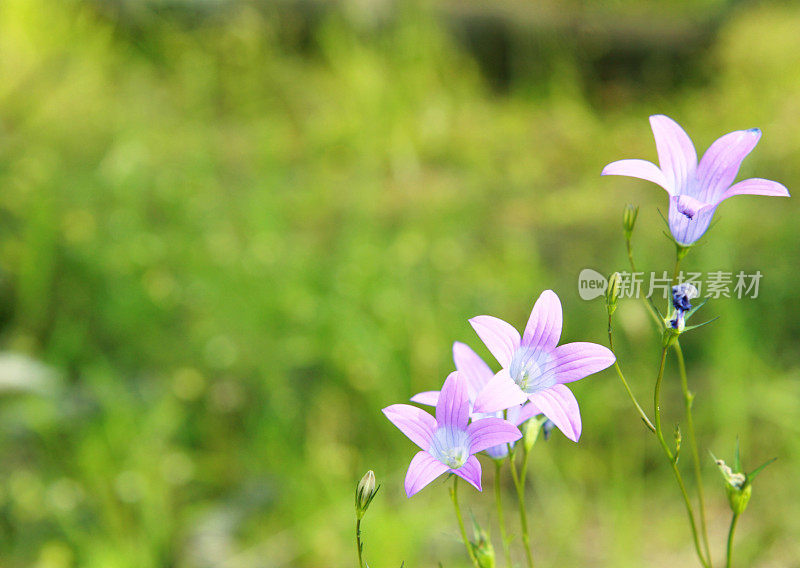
pixel 720 163
pixel 559 405
pixel 470 472
pixel 428 398
pixel 499 337
pixel 452 408
pixel 544 325
pixel 574 361
pixel 501 393
pixel 471 367
pixel 685 230
pixel 641 169
pixel 424 468
pixel 676 153
pixel 414 422
pixel 756 186
pixel 522 414
pixel 488 432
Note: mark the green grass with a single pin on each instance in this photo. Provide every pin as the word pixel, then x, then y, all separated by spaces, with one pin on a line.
pixel 235 252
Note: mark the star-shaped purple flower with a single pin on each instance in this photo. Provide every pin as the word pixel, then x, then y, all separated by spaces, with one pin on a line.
pixel 537 366
pixel 448 442
pixel 695 190
pixel 478 374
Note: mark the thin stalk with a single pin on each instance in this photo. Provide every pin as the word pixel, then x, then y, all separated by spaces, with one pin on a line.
pixel 498 498
pixel 635 402
pixel 454 496
pixel 688 398
pixel 732 530
pixel 676 271
pixel 648 302
pixel 671 458
pixel 359 544
pixel 523 515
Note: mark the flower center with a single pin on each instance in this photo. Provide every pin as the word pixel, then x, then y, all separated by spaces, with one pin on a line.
pixel 450 446
pixel 688 206
pixel 528 369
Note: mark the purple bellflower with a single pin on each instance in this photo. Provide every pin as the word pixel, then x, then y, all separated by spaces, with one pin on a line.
pixel 448 442
pixel 536 366
pixel 695 190
pixel 478 374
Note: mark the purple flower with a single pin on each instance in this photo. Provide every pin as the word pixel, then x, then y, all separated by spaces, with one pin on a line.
pixel 537 366
pixel 695 190
pixel 478 374
pixel 448 442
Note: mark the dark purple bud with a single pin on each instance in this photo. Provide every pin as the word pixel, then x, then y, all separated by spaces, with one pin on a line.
pixel 547 428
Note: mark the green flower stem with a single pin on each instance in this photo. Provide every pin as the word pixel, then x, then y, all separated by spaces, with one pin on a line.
pixel 648 302
pixel 732 530
pixel 519 483
pixel 359 544
pixel 642 413
pixel 454 496
pixel 672 459
pixel 688 398
pixel 498 498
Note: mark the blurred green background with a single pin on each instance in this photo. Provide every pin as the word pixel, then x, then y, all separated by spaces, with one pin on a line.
pixel 233 231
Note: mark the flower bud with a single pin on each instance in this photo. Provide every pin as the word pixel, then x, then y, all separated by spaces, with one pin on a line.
pixel 736 486
pixel 532 429
pixel 547 428
pixel 365 492
pixel 483 549
pixel 629 219
pixel 613 291
pixel 739 485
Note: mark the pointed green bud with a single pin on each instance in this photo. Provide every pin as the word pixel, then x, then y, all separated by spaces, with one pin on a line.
pixel 532 429
pixel 482 547
pixel 612 292
pixel 738 485
pixel 365 492
pixel 629 219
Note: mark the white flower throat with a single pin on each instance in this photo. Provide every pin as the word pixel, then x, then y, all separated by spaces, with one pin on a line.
pixel 450 446
pixel 530 369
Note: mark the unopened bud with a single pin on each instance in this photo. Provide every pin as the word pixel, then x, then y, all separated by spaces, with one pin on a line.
pixel 739 485
pixel 736 487
pixel 612 292
pixel 547 428
pixel 629 219
pixel 532 429
pixel 365 492
pixel 482 547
